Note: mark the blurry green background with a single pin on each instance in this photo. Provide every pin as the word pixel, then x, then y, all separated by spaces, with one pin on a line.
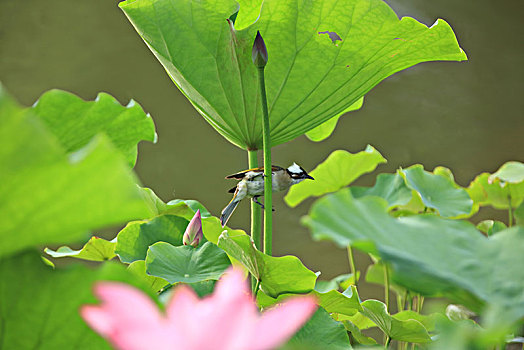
pixel 466 116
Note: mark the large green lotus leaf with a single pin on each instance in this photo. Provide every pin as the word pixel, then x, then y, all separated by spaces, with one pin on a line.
pixel 428 321
pixel 96 249
pixel 391 187
pixel 511 172
pixel 338 170
pixel 342 281
pixel 193 204
pixel 74 121
pixel 438 192
pixel 357 334
pixel 186 208
pixel 277 275
pixel 347 303
pixel 134 239
pixel 138 268
pixel 39 306
pixel 49 197
pixel 186 263
pixel 324 130
pixel 428 254
pixel 323 331
pixel 402 330
pixel 499 188
pixel 309 78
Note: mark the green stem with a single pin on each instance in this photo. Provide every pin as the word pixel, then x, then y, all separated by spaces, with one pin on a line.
pixel 255 291
pixel 268 186
pixel 388 341
pixel 510 214
pixel 256 215
pixel 352 265
pixel 420 303
pixel 386 287
pixel 404 300
pixel 399 303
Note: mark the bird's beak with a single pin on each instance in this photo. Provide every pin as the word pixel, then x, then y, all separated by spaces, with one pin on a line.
pixel 309 177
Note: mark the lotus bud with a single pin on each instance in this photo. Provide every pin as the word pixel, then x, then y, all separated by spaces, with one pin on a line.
pixel 194 234
pixel 259 51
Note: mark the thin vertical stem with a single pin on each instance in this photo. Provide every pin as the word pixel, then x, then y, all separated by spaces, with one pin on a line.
pixel 256 217
pixel 510 214
pixel 386 286
pixel 420 303
pixel 268 185
pixel 387 342
pixel 256 214
pixel 352 265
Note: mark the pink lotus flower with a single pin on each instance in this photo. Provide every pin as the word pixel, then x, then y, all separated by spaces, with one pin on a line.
pixel 226 320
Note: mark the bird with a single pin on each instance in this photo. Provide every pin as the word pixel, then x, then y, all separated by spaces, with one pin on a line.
pixel 251 184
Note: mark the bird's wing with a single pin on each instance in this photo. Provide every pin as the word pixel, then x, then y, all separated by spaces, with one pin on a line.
pixel 241 174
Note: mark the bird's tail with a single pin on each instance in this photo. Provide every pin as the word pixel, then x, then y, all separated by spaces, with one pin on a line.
pixel 228 210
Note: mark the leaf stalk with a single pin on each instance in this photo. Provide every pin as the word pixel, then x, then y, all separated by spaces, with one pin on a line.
pixel 268 185
pixel 352 265
pixel 256 214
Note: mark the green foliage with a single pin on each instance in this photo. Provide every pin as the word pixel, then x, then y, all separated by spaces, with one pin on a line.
pixel 191 203
pixel 39 306
pixel 438 192
pixel 96 249
pixel 309 78
pixel 357 334
pixel 75 122
pixel 347 303
pixel 375 274
pixel 391 187
pixel 338 170
pixel 403 330
pixel 277 275
pixel 138 268
pixel 134 239
pixel 428 321
pixel 500 188
pixel 490 227
pixel 322 330
pixel 428 254
pixel 186 263
pixel 510 172
pixel 324 130
pixel 50 196
pixel 342 281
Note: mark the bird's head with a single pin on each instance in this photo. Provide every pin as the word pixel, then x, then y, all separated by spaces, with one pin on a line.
pixel 297 173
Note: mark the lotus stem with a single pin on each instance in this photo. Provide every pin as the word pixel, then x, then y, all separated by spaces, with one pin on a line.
pixel 268 185
pixel 510 214
pixel 386 286
pixel 256 214
pixel 256 217
pixel 260 58
pixel 352 265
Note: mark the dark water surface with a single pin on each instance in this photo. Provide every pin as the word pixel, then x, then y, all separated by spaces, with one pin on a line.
pixel 466 116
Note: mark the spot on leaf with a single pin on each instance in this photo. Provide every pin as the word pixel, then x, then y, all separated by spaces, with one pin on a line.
pixel 333 36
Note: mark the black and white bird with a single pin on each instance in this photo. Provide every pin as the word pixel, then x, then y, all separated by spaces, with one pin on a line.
pixel 251 185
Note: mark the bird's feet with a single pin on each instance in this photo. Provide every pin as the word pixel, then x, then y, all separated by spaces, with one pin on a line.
pixel 255 199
